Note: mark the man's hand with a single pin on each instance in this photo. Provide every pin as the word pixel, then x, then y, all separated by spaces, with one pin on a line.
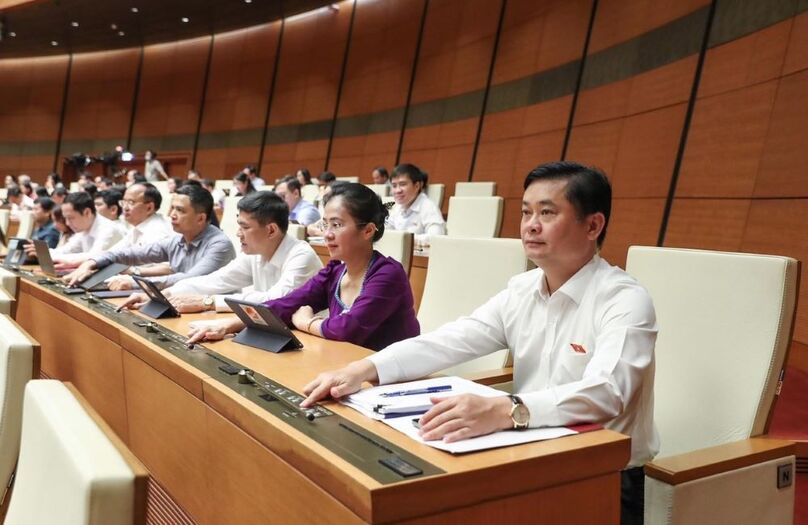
pixel 121 282
pixel 188 304
pixel 30 249
pixel 213 330
pixel 135 301
pixel 302 317
pixel 79 274
pixel 465 416
pixel 340 383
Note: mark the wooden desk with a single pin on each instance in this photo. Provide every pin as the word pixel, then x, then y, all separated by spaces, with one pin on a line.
pixel 224 459
pixel 417 271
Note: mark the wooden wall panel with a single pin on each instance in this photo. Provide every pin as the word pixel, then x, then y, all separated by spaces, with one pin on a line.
pixel 797 55
pixel 633 221
pixel 30 108
pixel 305 97
pixel 377 79
pixel 99 102
pixel 170 96
pixel 709 224
pixel 236 100
pixel 447 95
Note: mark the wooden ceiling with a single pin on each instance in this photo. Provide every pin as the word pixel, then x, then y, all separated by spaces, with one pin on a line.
pixel 54 27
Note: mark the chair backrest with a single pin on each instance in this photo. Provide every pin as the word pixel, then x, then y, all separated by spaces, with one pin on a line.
pixel 266 187
pixel 435 193
pixel 475 189
pixel 474 216
pixel 3 193
pixel 453 264
pixel 74 187
pixel 4 217
pixel 349 179
pixel 725 323
pixel 223 184
pixel 9 281
pixel 8 305
pixel 310 192
pixel 229 222
pixel 26 228
pixel 297 231
pixel 398 245
pixel 72 468
pixel 165 204
pixel 19 363
pixel 382 190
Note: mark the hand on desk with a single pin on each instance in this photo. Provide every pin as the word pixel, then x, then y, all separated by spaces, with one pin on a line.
pixel 135 301
pixel 121 282
pixel 30 249
pixel 340 383
pixel 84 270
pixel 213 330
pixel 188 304
pixel 465 416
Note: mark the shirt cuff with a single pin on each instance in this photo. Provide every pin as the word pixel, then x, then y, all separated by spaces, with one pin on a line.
pixel 387 367
pixel 543 409
pixel 221 306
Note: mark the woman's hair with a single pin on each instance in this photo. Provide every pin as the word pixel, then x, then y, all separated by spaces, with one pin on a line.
pixel 57 215
pixel 412 172
pixel 362 204
pixel 306 175
pixel 245 179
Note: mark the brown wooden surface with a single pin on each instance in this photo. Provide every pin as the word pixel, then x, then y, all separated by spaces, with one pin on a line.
pixel 221 456
pixel 682 468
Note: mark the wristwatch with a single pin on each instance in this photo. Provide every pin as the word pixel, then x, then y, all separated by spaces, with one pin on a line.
pixel 520 415
pixel 136 270
pixel 208 302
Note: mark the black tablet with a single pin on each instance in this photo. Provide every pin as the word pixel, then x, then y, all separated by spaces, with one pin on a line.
pixel 158 306
pixel 263 329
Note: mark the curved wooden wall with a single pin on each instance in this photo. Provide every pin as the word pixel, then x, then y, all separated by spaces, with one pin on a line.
pixel 702 132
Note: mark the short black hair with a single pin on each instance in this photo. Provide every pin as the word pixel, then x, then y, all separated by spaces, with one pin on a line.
pixel 412 172
pixel 60 190
pixel 151 194
pixel 251 169
pixel 382 171
pixel 207 183
pixel 193 182
pixel 178 181
pixel 46 203
pixel 588 189
pixel 80 201
pixel 201 200
pixel 292 184
pixel 41 191
pixel 244 179
pixel 91 189
pixel 55 178
pixel 326 177
pixel 111 198
pixel 266 207
pixel 362 204
pixel 14 191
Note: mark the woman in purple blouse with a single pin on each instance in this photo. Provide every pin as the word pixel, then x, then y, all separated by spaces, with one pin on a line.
pixel 368 295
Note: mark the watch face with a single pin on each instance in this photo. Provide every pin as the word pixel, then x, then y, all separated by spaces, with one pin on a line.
pixel 521 415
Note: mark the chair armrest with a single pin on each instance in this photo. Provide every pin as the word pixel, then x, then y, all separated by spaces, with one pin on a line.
pixel 491 377
pixel 705 462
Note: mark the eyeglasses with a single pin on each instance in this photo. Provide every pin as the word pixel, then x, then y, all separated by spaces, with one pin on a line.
pixel 336 226
pixel 128 203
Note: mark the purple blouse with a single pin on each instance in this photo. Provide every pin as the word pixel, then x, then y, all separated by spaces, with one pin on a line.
pixel 381 315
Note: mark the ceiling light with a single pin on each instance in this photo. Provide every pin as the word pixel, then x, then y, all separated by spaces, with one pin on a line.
pixel 74 24
pixel 134 10
pixel 185 19
pixel 54 43
pixel 12 34
pixel 121 33
pixel 113 26
pixel 247 1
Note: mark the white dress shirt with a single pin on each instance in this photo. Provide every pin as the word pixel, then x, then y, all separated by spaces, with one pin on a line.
pixel 607 379
pixel 423 218
pixel 293 263
pixel 101 236
pixel 154 228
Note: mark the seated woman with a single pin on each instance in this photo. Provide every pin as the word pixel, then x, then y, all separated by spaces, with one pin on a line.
pixel 414 211
pixel 242 184
pixel 368 295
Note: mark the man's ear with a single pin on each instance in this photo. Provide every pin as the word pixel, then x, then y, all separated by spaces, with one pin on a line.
pixel 595 224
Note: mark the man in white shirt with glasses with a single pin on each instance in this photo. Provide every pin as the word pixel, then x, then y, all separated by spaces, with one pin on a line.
pixel 582 333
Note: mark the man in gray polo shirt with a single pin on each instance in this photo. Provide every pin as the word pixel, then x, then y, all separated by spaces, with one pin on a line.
pixel 200 248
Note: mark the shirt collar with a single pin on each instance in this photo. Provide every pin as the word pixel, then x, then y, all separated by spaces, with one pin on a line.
pixel 575 287
pixel 198 239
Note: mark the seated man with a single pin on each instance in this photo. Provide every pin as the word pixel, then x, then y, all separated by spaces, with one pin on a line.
pixel 272 263
pixel 93 233
pixel 301 211
pixel 45 230
pixel 200 248
pixel 108 204
pixel 18 202
pixel 582 333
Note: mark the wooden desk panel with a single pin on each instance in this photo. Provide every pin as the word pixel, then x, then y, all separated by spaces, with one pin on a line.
pixel 224 458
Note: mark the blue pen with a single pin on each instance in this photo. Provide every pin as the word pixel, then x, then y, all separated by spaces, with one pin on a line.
pixel 417 391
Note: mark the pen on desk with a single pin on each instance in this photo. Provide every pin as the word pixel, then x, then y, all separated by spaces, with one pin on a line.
pixel 417 391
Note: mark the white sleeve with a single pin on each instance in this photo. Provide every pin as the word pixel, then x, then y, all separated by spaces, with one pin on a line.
pixel 481 333
pixel 235 275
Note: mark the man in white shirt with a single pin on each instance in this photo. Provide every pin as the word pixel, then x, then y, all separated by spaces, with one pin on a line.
pixel 582 334
pixel 301 211
pixel 271 264
pixel 252 172
pixel 93 233
pixel 108 204
pixel 414 211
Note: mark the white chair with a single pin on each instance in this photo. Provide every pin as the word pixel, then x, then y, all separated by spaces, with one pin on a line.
pixel 382 190
pixel 398 245
pixel 310 192
pixel 162 187
pixel 475 189
pixel 388 200
pixel 9 282
pixel 474 216
pixel 72 468
pixel 267 187
pixel 229 222
pixel 26 228
pixel 3 193
pixel 74 187
pixel 462 275
pixel 349 179
pixel 19 357
pixel 297 231
pixel 4 218
pixel 725 327
pixel 435 193
pixel 8 306
pixel 223 184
